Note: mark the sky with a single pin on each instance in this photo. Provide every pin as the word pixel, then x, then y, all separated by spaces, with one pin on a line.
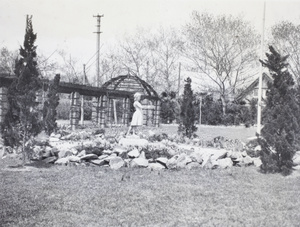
pixel 70 25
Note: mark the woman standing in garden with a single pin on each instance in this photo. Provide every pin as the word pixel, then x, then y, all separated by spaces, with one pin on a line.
pixel 137 118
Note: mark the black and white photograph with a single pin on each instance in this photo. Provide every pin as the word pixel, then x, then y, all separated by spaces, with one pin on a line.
pixel 149 113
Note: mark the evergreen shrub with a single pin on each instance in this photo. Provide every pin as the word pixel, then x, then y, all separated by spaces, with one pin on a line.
pixel 280 134
pixel 187 115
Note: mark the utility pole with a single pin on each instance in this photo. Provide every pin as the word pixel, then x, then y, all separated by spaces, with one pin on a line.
pixel 259 103
pixel 98 32
pixel 82 99
pixel 179 71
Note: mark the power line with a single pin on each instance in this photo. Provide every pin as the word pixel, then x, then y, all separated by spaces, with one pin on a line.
pixel 49 57
pixel 91 58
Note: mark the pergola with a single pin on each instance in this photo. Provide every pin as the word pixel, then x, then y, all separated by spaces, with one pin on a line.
pixel 118 109
pixel 112 103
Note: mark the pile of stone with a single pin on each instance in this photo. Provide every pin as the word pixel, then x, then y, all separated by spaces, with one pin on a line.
pixel 89 149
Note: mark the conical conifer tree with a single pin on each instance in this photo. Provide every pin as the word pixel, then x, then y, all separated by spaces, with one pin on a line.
pixel 50 105
pixel 280 134
pixel 187 114
pixel 22 121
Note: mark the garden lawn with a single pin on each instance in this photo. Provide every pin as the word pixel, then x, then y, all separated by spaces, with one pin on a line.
pixel 98 196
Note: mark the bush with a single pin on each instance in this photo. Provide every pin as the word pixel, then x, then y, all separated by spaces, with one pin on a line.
pixel 280 135
pixel 187 115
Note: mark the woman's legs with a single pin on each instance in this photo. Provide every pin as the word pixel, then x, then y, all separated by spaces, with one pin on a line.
pixel 131 128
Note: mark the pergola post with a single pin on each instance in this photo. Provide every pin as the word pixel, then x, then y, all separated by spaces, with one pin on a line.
pixel 3 103
pixel 127 110
pixel 157 113
pixel 103 111
pixel 75 110
pixel 95 110
pixel 145 112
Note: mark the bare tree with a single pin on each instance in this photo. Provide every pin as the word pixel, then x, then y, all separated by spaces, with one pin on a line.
pixel 166 49
pixel 111 64
pixel 286 39
pixel 222 49
pixel 69 68
pixel 137 57
pixel 7 60
pixel 47 67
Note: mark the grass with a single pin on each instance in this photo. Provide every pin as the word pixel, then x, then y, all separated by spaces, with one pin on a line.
pixel 205 132
pixel 97 196
pixel 49 195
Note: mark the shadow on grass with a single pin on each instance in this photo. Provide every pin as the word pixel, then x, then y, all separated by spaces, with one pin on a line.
pixel 39 164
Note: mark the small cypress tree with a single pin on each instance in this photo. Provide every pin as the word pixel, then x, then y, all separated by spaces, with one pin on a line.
pixel 22 120
pixel 187 114
pixel 280 134
pixel 50 105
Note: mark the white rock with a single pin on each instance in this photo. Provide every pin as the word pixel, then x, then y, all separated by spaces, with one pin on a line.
pixel 107 152
pixel 134 153
pixel 112 156
pixel 183 160
pixel 53 135
pixel 54 139
pixel 62 161
pixel 244 153
pixel 89 157
pixel 63 153
pixel 99 162
pixel 257 148
pixel 219 154
pixel 103 156
pixel 74 151
pixel 116 163
pixel 126 142
pixel 51 159
pixel 225 163
pixel 156 166
pixel 82 153
pixel 172 162
pixel 210 164
pixel 206 158
pixel 139 162
pixel 196 156
pixel 151 133
pixel 257 162
pixel 236 155
pixel 119 149
pixel 245 161
pixel 193 165
pixel 142 155
pixel 296 158
pixel 74 158
pixel 162 160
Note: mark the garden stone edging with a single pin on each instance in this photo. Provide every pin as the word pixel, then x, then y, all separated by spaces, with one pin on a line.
pixel 134 152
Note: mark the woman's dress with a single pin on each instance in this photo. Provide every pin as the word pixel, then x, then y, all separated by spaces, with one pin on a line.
pixel 137 118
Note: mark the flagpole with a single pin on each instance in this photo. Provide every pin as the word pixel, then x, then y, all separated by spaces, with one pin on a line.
pixel 259 103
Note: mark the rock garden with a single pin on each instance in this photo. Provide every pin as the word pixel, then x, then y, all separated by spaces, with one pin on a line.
pixel 153 150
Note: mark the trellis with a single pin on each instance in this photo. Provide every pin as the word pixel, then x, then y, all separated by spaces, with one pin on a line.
pixel 119 90
pixel 105 111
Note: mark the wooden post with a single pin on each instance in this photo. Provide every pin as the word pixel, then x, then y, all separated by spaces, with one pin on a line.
pixel 123 110
pixel 108 111
pixel 115 111
pixel 103 111
pixel 95 110
pixel 75 110
pixel 145 111
pixel 82 111
pixel 151 120
pixel 157 113
pixel 3 103
pixel 127 110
